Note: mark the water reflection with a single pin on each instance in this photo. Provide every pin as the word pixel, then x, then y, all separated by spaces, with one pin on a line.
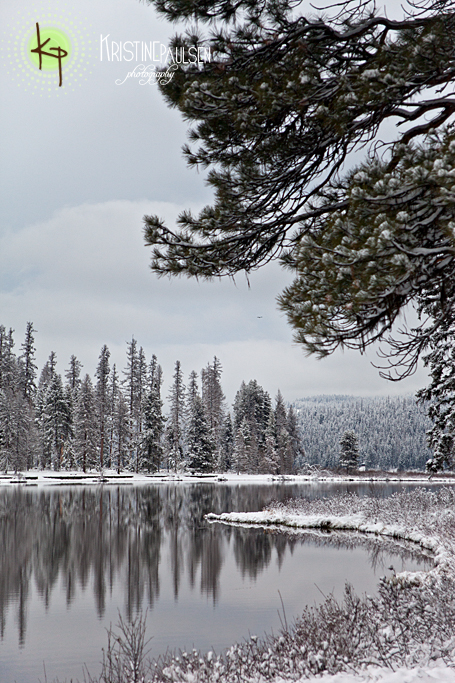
pixel 107 536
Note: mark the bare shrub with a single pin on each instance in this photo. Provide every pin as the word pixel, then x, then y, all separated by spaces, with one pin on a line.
pixel 125 658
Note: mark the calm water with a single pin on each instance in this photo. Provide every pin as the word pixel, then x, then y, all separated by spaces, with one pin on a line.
pixel 71 559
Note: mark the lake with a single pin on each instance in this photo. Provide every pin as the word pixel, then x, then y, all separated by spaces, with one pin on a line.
pixel 73 558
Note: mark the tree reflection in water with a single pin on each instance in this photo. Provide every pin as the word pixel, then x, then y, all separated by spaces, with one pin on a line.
pixel 111 535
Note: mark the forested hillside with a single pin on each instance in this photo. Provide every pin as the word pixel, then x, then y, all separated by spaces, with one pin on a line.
pixel 391 430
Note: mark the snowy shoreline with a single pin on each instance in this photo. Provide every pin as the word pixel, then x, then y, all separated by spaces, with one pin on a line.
pixel 403 636
pixel 67 477
pixel 444 558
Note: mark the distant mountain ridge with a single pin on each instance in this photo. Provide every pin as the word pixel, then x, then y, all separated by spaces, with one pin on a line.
pixel 391 429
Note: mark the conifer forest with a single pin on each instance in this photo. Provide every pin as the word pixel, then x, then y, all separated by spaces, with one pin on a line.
pixel 116 420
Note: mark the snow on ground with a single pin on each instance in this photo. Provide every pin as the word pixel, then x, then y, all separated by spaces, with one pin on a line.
pixel 424 517
pixel 52 477
pixel 388 517
pixel 439 674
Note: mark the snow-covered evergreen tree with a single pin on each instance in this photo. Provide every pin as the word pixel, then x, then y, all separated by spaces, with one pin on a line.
pixel 175 425
pixel 349 451
pixel 440 398
pixel 102 403
pixel 226 452
pixel 135 387
pixel 253 404
pixel 141 382
pixel 152 437
pixel 242 447
pixel 213 400
pixel 122 424
pixel 199 439
pixel 297 452
pixel 45 443
pixel 271 460
pixel 28 364
pixel 282 436
pixel 56 422
pixel 299 93
pixel 15 423
pixel 85 431
pixel 72 375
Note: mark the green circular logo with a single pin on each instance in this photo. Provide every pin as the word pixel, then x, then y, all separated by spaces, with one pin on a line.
pixel 49 48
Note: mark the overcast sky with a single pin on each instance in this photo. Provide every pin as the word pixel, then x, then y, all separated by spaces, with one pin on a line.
pixel 80 166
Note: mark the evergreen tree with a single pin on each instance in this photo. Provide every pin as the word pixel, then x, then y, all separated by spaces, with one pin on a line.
pixel 226 456
pixel 121 433
pixel 113 393
pixel 296 96
pixel 22 400
pixel 28 364
pixel 48 371
pixel 102 402
pixel 213 400
pixel 15 424
pixel 85 432
pixel 14 407
pixel 242 447
pixel 199 439
pixel 297 452
pixel 282 436
pixel 3 347
pixel 56 422
pixel 154 421
pixel 192 390
pixel 47 374
pixel 7 358
pixel 349 451
pixel 141 382
pixel 135 385
pixel 440 396
pixel 73 373
pixel 271 460
pixel 253 404
pixel 174 431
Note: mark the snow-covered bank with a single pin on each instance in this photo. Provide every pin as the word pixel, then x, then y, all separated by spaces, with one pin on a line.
pixel 67 477
pixel 423 517
pixel 405 635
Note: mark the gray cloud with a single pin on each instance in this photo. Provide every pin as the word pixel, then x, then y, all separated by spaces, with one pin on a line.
pixel 83 278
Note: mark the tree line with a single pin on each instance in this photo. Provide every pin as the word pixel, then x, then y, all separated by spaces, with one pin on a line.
pixel 115 420
pixel 392 430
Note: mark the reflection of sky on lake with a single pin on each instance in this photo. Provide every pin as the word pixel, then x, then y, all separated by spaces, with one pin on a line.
pixel 72 558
